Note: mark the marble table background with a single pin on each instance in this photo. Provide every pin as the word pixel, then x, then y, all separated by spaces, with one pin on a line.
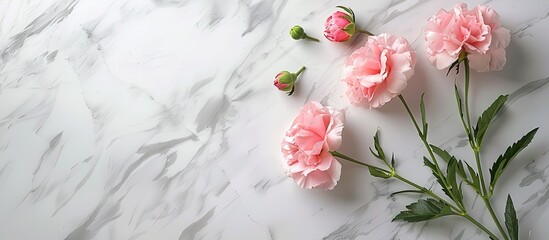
pixel 157 119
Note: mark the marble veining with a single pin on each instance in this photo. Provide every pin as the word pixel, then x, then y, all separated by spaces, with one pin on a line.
pixel 157 119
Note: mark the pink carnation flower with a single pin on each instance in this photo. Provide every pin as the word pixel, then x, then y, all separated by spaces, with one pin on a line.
pixel 306 147
pixel 477 32
pixel 379 71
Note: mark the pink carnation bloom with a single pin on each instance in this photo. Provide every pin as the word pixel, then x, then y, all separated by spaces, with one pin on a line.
pixel 306 147
pixel 335 27
pixel 477 32
pixel 379 71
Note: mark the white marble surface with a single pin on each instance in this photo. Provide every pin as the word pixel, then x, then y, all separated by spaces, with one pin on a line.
pixel 157 119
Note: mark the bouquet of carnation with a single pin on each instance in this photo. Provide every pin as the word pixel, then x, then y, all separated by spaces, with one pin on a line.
pixel 459 39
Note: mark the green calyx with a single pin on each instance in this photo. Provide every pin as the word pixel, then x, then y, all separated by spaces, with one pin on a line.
pixel 350 28
pixel 286 77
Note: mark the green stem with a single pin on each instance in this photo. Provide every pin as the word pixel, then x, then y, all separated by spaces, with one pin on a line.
pixel 472 141
pixel 305 36
pixel 423 138
pixel 476 149
pixel 460 111
pixel 300 71
pixel 479 225
pixel 420 188
pixel 493 214
pixel 479 169
pixel 350 159
pixel 467 76
pixel 401 178
pixel 364 31
pixel 426 191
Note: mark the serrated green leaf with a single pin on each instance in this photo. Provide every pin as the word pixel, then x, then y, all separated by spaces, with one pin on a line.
pixel 429 164
pixel 475 179
pixel 441 179
pixel 447 157
pixel 504 159
pixel 451 172
pixel 423 117
pixel 423 210
pixel 451 179
pixel 461 170
pixel 378 173
pixel 511 221
pixel 487 116
pixel 441 153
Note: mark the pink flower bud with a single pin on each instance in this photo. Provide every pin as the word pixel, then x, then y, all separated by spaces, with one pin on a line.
pixel 340 27
pixel 285 81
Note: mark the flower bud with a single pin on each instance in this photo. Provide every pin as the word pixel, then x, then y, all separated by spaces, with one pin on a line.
pixel 285 81
pixel 297 32
pixel 340 27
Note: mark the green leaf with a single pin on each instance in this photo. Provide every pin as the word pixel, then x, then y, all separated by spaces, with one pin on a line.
pixel 379 173
pixel 380 154
pixel 441 153
pixel 504 159
pixel 349 11
pixel 447 157
pixel 511 221
pixel 452 66
pixel 441 179
pixel 423 210
pixel 458 99
pixel 475 179
pixel 487 116
pixel 405 191
pixel 423 118
pixel 451 179
pixel 429 164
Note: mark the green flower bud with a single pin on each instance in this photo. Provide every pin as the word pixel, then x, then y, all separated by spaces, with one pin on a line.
pixel 297 32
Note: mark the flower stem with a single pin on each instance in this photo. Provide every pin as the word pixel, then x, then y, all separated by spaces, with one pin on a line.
pixel 420 188
pixel 305 36
pixel 364 31
pixel 476 149
pixel 421 135
pixel 493 214
pixel 469 129
pixel 479 225
pixel 350 159
pixel 300 71
pixel 426 191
